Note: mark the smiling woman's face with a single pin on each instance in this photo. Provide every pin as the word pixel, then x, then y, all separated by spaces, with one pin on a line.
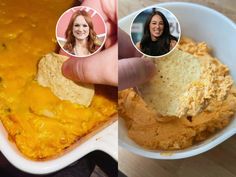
pixel 80 28
pixel 156 26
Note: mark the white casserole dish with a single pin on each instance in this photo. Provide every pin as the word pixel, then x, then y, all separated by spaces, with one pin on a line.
pixel 201 24
pixel 104 139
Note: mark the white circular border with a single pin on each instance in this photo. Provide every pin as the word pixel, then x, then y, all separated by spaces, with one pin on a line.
pixel 138 13
pixel 104 40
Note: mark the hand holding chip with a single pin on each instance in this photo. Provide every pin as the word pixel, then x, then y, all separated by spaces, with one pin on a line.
pixel 133 70
pixel 102 68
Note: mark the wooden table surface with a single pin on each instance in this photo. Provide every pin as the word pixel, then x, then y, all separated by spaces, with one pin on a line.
pixel 218 162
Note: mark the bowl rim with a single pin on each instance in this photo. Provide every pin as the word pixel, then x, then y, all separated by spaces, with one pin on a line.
pixel 171 155
pixel 178 154
pixel 164 4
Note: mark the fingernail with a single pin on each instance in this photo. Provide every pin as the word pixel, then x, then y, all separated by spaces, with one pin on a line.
pixel 67 69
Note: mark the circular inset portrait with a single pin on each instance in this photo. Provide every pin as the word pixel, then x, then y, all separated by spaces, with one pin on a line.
pixel 81 31
pixel 155 32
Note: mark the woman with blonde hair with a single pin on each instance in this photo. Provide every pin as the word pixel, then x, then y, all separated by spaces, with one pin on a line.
pixel 81 38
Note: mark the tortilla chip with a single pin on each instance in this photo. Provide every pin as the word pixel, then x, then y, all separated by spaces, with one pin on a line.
pixel 174 74
pixel 50 75
pixel 184 84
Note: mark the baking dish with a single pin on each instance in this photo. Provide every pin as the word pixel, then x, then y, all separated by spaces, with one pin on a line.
pixel 24 39
pixel 201 24
pixel 103 138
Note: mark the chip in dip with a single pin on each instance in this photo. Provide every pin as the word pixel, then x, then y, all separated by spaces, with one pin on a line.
pixel 50 75
pixel 184 84
pixel 40 124
pixel 154 131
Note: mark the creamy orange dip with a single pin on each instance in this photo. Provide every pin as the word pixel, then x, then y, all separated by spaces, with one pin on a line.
pixel 38 122
pixel 151 130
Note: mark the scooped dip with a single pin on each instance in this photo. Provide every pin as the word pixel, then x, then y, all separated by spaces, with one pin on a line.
pixel 185 84
pixel 149 128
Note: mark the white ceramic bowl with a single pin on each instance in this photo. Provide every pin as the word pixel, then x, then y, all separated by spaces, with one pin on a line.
pixel 202 24
pixel 104 140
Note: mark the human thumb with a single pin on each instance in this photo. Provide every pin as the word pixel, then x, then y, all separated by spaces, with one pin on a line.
pixel 100 68
pixel 134 71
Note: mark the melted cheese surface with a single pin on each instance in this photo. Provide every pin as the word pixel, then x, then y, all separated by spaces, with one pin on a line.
pixel 38 122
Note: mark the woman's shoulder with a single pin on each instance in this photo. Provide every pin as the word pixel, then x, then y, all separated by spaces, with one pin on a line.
pixel 138 45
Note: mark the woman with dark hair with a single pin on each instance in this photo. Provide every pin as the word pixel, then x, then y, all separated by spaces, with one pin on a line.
pixel 81 37
pixel 156 39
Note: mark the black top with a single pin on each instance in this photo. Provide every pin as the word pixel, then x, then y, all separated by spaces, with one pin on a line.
pixel 158 47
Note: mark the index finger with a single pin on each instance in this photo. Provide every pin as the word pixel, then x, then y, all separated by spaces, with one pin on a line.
pixel 126 48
